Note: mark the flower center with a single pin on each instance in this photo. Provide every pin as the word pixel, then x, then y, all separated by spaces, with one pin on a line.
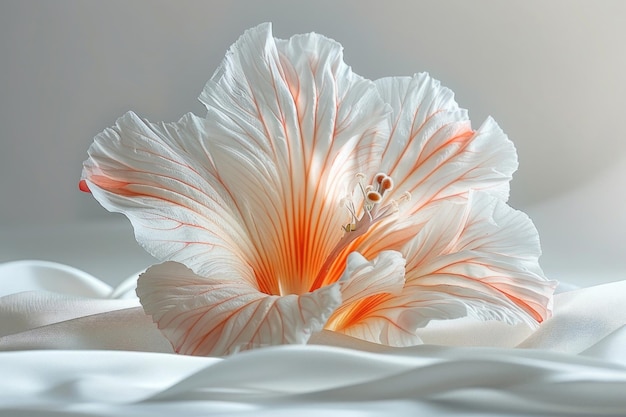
pixel 372 196
pixel 368 211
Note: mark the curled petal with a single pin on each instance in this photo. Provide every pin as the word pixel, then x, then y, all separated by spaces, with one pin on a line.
pixel 364 285
pixel 362 278
pixel 206 316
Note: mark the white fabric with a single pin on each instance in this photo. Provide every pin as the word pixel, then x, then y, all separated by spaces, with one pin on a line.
pixel 574 364
pixel 310 380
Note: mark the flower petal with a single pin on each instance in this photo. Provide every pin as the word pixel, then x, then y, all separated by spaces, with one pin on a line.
pixel 433 153
pixel 208 316
pixel 255 188
pixel 161 178
pixel 364 285
pixel 481 256
pixel 478 258
pixel 291 127
pixel 362 278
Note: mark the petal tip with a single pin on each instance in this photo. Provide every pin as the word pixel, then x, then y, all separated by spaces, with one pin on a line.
pixel 83 186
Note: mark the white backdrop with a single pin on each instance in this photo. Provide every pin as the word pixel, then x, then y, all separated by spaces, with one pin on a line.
pixel 551 73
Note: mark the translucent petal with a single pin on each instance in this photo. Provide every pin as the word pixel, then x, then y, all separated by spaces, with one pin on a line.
pixel 479 258
pixel 487 261
pixel 212 316
pixel 364 284
pixel 433 153
pixel 162 178
pixel 291 127
pixel 253 190
pixel 362 278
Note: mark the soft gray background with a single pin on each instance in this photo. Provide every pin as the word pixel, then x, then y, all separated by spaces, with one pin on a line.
pixel 552 73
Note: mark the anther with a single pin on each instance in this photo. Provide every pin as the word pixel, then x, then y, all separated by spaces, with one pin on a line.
pixel 372 209
pixel 386 184
pixel 374 197
pixel 378 178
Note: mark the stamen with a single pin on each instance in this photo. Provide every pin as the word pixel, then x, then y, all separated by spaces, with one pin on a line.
pixel 406 196
pixel 378 178
pixel 373 197
pixel 386 184
pixel 371 210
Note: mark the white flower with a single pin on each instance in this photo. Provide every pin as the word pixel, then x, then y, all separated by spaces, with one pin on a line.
pixel 310 198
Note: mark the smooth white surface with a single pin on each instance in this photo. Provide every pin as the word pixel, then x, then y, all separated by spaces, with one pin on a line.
pixel 310 380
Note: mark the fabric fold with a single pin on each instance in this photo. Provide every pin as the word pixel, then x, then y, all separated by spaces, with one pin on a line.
pixel 585 320
pixel 430 380
pixel 83 365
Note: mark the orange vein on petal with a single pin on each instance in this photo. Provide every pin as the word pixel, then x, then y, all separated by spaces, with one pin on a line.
pixel 355 312
pixel 115 186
